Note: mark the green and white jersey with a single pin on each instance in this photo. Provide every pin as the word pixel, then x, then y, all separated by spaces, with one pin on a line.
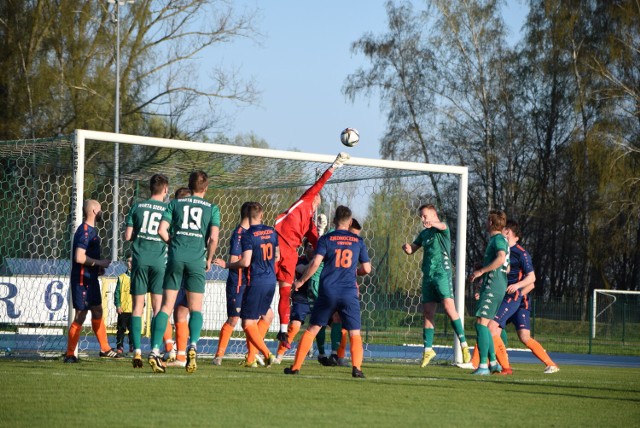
pixel 436 245
pixel 148 248
pixel 497 243
pixel 190 220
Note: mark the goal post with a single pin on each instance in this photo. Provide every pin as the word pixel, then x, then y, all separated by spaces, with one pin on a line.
pixel 603 308
pixel 46 181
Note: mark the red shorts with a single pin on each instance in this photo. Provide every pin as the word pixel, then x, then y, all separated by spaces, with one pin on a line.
pixel 286 268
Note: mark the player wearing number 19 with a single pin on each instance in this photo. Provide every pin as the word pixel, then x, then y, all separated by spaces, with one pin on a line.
pixel 194 225
pixel 149 254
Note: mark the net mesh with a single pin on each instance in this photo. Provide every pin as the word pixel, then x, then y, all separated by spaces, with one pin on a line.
pixel 617 319
pixel 36 189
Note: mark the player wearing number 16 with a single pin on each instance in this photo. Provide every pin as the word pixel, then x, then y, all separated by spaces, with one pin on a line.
pixel 149 256
pixel 194 224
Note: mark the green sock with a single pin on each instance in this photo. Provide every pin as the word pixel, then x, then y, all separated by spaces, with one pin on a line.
pixel 321 337
pixel 484 338
pixel 195 326
pixel 427 337
pixel 503 335
pixel 457 327
pixel 159 325
pixel 336 336
pixel 136 331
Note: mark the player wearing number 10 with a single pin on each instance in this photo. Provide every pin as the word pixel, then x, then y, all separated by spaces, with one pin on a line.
pixel 194 225
pixel 149 254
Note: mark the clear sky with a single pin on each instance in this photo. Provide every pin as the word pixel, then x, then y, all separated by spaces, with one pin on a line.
pixel 300 68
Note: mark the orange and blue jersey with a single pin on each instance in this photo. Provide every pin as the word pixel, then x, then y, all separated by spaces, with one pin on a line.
pixel 342 251
pixel 85 287
pixel 515 307
pixel 86 237
pixel 520 264
pixel 262 240
pixel 237 279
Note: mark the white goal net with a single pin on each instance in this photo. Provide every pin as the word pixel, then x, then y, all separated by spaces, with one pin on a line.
pixel 44 182
pixel 615 318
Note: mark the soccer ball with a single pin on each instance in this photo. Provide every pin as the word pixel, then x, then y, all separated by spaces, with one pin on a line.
pixel 349 137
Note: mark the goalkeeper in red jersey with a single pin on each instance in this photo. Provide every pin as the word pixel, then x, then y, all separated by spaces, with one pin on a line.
pixel 292 226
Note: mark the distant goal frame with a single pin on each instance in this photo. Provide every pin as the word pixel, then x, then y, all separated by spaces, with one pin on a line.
pixel 594 308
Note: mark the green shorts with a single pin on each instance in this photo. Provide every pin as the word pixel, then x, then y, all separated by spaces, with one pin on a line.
pixel 192 271
pixel 491 295
pixel 147 279
pixel 436 288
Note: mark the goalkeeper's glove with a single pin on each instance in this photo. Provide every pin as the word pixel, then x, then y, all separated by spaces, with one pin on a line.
pixel 321 224
pixel 340 159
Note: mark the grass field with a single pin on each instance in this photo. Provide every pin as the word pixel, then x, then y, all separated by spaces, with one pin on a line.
pixel 110 393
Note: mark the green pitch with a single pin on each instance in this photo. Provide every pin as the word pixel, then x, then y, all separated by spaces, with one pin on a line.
pixel 112 394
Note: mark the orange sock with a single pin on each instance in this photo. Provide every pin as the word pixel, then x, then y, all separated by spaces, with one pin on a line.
pixel 101 334
pixel 262 328
pixel 254 336
pixel 251 350
pixel 539 352
pixel 182 337
pixel 356 351
pixel 342 349
pixel 292 330
pixel 223 341
pixel 475 359
pixel 168 343
pixel 74 338
pixel 303 348
pixel 501 352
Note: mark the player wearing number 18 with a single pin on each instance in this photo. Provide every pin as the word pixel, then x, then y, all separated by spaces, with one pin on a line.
pixel 341 252
pixel 194 224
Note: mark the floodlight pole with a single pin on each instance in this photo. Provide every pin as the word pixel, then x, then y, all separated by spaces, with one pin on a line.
pixel 116 150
